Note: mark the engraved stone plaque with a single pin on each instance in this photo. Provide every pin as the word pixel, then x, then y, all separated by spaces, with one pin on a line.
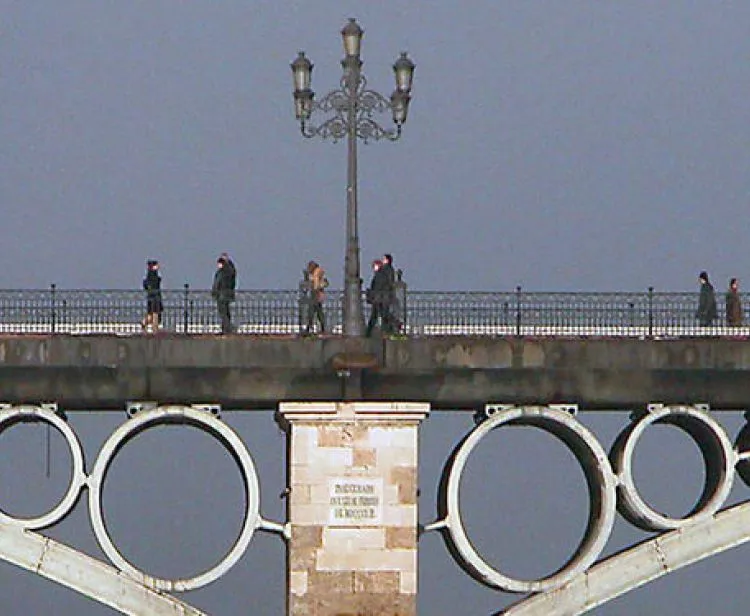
pixel 355 501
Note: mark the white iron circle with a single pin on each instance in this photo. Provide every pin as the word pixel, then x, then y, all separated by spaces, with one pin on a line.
pixel 599 477
pixel 216 428
pixel 35 414
pixel 718 455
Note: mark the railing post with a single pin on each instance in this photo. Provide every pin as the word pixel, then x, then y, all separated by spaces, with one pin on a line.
pixel 53 307
pixel 518 310
pixel 186 308
pixel 650 312
pixel 304 299
pixel 400 308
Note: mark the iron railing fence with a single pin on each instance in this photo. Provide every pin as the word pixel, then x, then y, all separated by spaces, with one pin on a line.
pixel 523 313
pixel 421 313
pixel 186 310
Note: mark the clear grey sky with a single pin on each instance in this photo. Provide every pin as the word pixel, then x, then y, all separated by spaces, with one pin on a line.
pixel 572 146
pixel 558 145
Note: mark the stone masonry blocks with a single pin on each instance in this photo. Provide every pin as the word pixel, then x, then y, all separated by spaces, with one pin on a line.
pixel 352 507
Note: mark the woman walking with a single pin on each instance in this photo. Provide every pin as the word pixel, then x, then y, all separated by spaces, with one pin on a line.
pixel 154 305
pixel 734 304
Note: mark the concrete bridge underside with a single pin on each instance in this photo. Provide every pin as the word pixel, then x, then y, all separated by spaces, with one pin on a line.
pixel 248 372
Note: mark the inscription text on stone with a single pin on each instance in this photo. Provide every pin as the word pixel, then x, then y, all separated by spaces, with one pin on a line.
pixel 355 501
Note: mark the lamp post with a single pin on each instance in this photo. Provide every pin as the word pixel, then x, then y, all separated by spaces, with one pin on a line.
pixel 351 107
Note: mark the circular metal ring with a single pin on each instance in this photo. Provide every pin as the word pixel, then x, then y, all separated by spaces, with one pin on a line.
pixel 599 477
pixel 216 428
pixel 718 456
pixel 35 414
pixel 742 450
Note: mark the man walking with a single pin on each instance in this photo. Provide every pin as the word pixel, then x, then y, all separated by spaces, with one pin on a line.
pixel 377 297
pixel 390 325
pixel 707 310
pixel 222 290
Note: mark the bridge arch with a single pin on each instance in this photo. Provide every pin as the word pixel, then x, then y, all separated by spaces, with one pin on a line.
pixel 86 575
pixel 641 564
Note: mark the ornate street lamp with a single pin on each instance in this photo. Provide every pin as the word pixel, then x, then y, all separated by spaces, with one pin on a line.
pixel 351 108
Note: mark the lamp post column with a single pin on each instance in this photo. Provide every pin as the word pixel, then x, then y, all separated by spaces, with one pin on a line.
pixel 351 108
pixel 353 316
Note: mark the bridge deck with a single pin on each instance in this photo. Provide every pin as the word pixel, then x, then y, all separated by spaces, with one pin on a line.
pixel 449 372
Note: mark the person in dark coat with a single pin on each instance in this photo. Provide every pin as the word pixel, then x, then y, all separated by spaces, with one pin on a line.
pixel 707 310
pixel 154 305
pixel 222 290
pixel 377 296
pixel 389 321
pixel 734 304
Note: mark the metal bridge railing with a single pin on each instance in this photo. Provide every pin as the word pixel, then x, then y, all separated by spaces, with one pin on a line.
pixel 421 313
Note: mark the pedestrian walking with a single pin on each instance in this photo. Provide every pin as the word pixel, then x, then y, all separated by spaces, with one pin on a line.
pixel 394 313
pixel 707 311
pixel 733 304
pixel 377 296
pixel 318 283
pixel 154 304
pixel 223 290
pixel 390 325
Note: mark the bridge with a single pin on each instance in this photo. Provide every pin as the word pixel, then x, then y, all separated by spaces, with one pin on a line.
pixel 540 361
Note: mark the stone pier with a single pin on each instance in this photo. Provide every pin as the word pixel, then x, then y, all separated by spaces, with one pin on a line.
pixel 352 507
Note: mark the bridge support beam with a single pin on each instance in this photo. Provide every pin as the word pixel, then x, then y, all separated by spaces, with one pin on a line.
pixel 352 507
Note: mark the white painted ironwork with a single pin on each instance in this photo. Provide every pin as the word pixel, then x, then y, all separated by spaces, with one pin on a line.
pixel 609 488
pixel 578 586
pixel 86 575
pixel 718 455
pixel 142 416
pixel 216 428
pixel 600 479
pixel 641 564
pixel 10 415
